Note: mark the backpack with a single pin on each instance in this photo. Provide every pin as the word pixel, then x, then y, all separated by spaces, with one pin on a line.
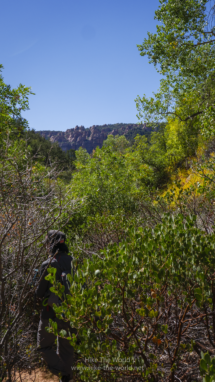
pixel 52 297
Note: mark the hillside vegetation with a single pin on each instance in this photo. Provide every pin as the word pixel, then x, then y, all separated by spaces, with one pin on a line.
pixel 139 217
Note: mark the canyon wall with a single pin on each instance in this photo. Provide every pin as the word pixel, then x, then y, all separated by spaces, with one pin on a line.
pixel 90 138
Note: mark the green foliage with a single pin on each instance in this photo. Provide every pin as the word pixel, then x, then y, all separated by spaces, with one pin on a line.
pixel 131 134
pixel 45 153
pixel 207 368
pixel 32 200
pixel 143 296
pixel 181 33
pixel 118 182
pixel 183 51
pixel 155 157
pixel 49 154
pixel 121 314
pixel 105 181
pixel 12 103
pixel 119 127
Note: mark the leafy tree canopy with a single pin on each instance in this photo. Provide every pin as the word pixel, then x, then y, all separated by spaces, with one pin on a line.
pixel 183 52
pixel 12 103
pixel 48 153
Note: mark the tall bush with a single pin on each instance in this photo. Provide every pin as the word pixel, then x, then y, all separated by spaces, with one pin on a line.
pixel 32 201
pixel 148 309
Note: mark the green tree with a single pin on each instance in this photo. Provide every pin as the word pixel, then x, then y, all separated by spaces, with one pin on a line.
pixel 48 153
pixel 12 103
pixel 183 52
pixel 112 189
pixel 105 181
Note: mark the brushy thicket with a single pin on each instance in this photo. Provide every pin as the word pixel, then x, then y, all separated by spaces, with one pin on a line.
pixel 139 218
pixel 147 259
pixel 144 233
pixel 32 200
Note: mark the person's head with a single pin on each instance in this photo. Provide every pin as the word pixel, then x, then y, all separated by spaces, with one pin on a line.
pixel 55 240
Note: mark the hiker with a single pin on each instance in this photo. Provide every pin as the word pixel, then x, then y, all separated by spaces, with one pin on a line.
pixel 60 361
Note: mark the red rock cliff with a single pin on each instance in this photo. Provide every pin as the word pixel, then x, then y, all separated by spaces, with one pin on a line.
pixel 88 138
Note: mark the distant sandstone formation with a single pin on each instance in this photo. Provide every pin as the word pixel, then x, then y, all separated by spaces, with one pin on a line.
pixel 90 138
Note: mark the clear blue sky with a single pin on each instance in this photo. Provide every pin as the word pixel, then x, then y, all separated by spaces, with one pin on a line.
pixel 79 57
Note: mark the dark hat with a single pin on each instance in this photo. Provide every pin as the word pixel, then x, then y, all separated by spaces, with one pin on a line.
pixel 55 237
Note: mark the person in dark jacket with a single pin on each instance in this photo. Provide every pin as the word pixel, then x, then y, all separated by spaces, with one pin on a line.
pixel 59 362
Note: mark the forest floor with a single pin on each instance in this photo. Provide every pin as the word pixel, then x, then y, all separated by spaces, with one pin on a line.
pixel 38 375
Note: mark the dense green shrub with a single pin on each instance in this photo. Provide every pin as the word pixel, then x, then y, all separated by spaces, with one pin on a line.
pixel 148 307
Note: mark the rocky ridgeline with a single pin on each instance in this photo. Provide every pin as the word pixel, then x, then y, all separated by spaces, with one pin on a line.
pixel 90 138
